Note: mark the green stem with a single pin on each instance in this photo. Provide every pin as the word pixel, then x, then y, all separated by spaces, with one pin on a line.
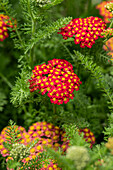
pixel 68 52
pixel 110 99
pixel 89 5
pixel 6 80
pixel 77 68
pixel 24 108
pixel 19 37
pixel 111 24
pixel 32 55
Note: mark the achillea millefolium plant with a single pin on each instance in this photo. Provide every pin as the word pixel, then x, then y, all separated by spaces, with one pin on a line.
pixel 64 106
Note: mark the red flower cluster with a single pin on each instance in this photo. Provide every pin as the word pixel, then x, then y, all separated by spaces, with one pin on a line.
pixel 4 23
pixel 47 134
pixel 85 31
pixel 88 136
pixel 104 12
pixel 57 78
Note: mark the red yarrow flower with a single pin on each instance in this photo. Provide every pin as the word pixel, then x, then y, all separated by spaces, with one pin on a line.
pixel 57 78
pixel 84 30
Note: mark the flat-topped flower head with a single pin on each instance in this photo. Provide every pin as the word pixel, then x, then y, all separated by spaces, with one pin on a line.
pixel 5 22
pixel 84 30
pixel 103 10
pixel 88 136
pixel 48 135
pixel 57 78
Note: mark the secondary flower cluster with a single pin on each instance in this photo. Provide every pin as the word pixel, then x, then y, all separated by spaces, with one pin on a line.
pixel 84 30
pixel 103 11
pixel 47 134
pixel 109 47
pixel 57 78
pixel 88 136
pixel 4 24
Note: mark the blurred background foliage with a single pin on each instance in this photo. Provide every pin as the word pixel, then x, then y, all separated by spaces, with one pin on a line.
pixel 88 108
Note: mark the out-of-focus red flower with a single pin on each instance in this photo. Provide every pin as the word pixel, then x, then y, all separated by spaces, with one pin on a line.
pixel 84 30
pixel 47 135
pixel 57 78
pixel 109 47
pixel 5 22
pixel 103 11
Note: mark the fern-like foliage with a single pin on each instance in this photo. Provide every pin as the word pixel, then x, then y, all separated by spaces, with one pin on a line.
pixel 108 132
pixel 47 31
pixel 101 82
pixel 52 3
pixel 12 134
pixel 73 135
pixel 36 163
pixel 20 91
pixel 96 72
pixel 6 6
